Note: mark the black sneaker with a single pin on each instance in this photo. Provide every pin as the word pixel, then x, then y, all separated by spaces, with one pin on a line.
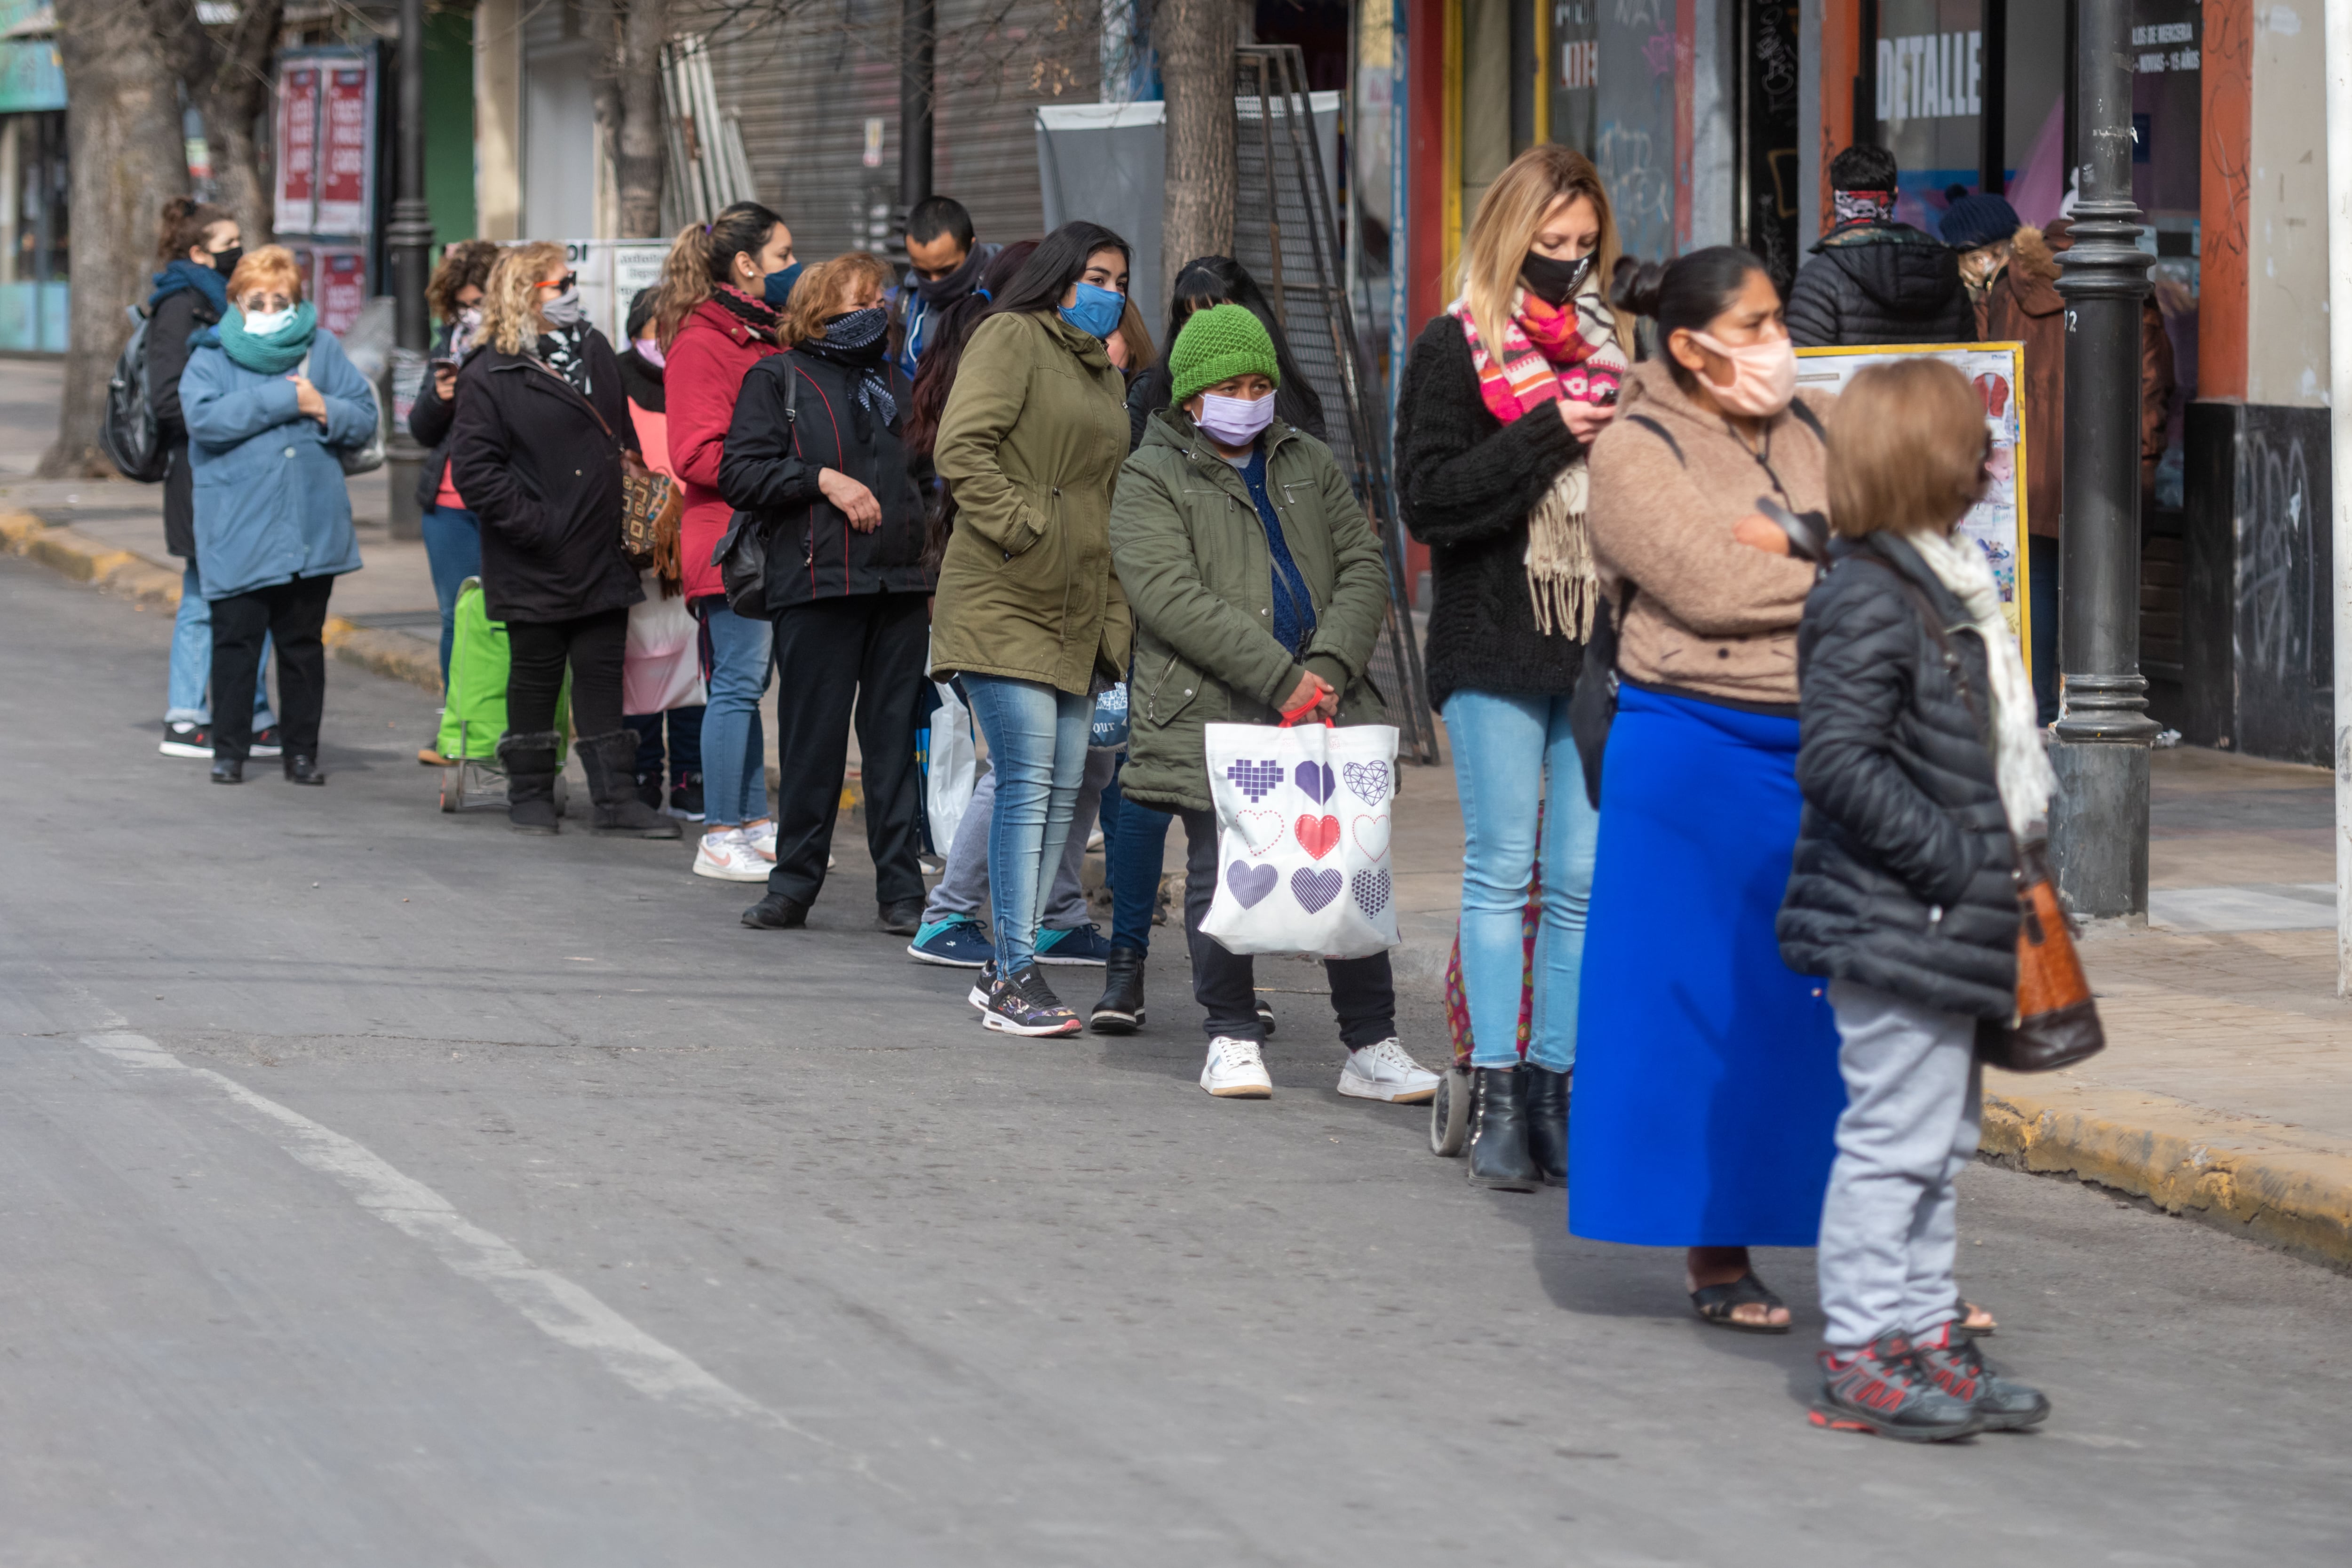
pixel 1024 1004
pixel 1884 1388
pixel 1951 1360
pixel 265 742
pixel 181 739
pixel 649 790
pixel 686 798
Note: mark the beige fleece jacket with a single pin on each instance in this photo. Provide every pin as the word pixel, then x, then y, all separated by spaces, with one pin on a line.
pixel 1714 617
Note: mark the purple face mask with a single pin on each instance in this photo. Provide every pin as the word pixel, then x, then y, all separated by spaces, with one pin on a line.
pixel 1235 421
pixel 649 350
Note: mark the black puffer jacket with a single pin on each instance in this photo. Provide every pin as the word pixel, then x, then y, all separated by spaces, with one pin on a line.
pixel 1880 283
pixel 1902 877
pixel 178 317
pixel 1466 482
pixel 770 468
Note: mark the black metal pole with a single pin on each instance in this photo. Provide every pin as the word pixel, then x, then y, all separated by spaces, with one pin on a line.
pixel 1992 99
pixel 408 239
pixel 917 35
pixel 2099 827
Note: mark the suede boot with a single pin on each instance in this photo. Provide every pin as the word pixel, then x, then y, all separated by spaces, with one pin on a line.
pixel 611 765
pixel 531 765
pixel 1498 1130
pixel 1547 1122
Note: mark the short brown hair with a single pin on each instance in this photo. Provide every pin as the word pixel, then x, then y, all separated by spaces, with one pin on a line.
pixel 820 289
pixel 271 267
pixel 1908 446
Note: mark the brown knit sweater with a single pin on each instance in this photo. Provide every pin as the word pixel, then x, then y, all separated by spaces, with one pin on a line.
pixel 1715 618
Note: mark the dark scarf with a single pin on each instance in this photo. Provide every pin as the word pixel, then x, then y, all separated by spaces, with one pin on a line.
pixel 753 313
pixel 182 275
pixel 641 382
pixel 564 352
pixel 855 343
pixel 940 292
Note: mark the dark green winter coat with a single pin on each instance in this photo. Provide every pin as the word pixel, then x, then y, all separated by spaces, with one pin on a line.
pixel 1030 440
pixel 1199 574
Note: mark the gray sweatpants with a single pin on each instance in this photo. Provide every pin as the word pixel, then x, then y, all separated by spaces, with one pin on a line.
pixel 962 890
pixel 1913 1102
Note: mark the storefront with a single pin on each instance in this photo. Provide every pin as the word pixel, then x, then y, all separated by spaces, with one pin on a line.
pixel 33 231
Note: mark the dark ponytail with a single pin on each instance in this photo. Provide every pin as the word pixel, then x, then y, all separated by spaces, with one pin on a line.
pixel 703 257
pixel 1684 294
pixel 185 225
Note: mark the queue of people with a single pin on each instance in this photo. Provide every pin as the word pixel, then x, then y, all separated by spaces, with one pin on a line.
pixel 1739 818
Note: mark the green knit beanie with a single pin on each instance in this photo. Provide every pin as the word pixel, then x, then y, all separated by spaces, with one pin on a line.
pixel 1217 344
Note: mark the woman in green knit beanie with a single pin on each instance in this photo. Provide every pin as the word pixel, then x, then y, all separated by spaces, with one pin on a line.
pixel 1258 591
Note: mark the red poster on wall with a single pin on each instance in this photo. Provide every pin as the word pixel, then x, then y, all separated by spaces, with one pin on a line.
pixel 297 147
pixel 345 157
pixel 343 289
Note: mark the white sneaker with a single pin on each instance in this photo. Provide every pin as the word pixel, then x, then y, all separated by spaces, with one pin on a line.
pixel 1235 1071
pixel 729 857
pixel 760 837
pixel 1385 1072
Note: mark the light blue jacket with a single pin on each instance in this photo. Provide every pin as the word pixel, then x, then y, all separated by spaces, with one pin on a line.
pixel 272 504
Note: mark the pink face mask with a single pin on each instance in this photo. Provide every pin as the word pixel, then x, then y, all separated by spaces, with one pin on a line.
pixel 1763 376
pixel 649 350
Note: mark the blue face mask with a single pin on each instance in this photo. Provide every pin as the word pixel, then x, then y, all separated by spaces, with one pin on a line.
pixel 778 289
pixel 1096 310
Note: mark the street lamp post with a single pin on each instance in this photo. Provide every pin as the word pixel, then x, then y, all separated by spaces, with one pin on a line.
pixel 2099 830
pixel 409 240
pixel 917 29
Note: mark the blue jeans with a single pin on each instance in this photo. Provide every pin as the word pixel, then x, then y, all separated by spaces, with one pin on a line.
pixel 452 553
pixel 185 701
pixel 1505 748
pixel 734 746
pixel 1134 844
pixel 1037 748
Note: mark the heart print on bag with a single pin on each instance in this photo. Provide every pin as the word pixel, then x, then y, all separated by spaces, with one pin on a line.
pixel 1372 892
pixel 1318 835
pixel 1251 883
pixel 1316 779
pixel 1368 781
pixel 1313 889
pixel 1372 835
pixel 1256 780
pixel 1260 830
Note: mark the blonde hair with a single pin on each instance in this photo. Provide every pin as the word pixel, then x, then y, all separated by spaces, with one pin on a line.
pixel 1510 216
pixel 1906 448
pixel 818 291
pixel 271 267
pixel 510 318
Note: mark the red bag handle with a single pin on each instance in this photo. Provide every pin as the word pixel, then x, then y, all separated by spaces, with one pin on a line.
pixel 1294 715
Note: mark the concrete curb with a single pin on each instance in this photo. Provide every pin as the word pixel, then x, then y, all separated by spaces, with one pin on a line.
pixel 130 576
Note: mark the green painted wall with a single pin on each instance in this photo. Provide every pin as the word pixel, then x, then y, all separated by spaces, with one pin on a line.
pixel 449 123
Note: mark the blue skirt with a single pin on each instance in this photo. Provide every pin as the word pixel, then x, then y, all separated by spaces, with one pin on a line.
pixel 1706 1091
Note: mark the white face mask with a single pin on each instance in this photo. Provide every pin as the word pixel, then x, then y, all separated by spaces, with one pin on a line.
pixel 268 324
pixel 1235 421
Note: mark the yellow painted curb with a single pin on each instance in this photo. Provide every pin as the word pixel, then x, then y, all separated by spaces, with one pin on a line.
pixel 2238 1174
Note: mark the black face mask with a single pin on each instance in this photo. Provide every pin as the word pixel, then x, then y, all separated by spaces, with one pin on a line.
pixel 1552 280
pixel 224 261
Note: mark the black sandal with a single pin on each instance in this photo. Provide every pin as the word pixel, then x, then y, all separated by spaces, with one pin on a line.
pixel 1715 1303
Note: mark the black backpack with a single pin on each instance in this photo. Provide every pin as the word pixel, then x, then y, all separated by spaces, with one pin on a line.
pixel 128 435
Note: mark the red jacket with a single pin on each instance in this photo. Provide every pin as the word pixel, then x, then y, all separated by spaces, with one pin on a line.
pixel 702 374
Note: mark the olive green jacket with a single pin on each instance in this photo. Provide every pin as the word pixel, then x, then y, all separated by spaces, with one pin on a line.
pixel 1195 563
pixel 1031 441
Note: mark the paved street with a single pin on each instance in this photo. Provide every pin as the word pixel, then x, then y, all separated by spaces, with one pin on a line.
pixel 381 1187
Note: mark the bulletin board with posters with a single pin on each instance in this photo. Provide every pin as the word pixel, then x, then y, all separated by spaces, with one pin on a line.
pixel 1996 523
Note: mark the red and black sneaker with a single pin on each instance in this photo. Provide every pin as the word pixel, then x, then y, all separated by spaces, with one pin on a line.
pixel 1951 1360
pixel 1883 1388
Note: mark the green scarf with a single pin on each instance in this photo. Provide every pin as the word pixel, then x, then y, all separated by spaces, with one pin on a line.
pixel 272 355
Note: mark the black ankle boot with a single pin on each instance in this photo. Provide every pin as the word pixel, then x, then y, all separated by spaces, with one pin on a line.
pixel 1120 1011
pixel 531 765
pixel 611 764
pixel 1498 1130
pixel 303 768
pixel 1547 1122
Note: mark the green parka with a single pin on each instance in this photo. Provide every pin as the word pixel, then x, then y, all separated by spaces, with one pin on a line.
pixel 1031 441
pixel 1194 560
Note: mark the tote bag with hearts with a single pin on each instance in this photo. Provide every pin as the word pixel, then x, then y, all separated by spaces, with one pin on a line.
pixel 1303 818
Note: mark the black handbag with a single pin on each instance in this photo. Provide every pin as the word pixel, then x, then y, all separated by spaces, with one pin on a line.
pixel 742 555
pixel 1593 705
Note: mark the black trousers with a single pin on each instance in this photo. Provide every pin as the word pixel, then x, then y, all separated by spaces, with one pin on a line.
pixel 862 657
pixel 537 652
pixel 1363 991
pixel 294 614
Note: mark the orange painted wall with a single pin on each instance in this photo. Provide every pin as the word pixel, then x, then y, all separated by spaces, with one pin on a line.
pixel 2228 124
pixel 1841 45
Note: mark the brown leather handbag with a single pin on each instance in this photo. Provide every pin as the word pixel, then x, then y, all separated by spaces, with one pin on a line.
pixel 2057 1022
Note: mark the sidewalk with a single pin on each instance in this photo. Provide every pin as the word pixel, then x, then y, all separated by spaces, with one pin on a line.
pixel 2225 1092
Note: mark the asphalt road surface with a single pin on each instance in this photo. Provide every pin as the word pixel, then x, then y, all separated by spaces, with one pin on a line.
pixel 380 1187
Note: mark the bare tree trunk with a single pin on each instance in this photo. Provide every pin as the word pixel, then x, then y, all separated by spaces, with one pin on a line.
pixel 1195 40
pixel 629 111
pixel 126 158
pixel 228 77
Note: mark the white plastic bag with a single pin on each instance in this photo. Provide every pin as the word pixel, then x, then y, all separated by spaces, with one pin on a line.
pixel 662 667
pixel 1303 846
pixel 954 768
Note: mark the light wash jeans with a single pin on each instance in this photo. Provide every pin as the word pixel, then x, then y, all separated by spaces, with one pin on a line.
pixel 1510 753
pixel 962 890
pixel 186 700
pixel 1890 1221
pixel 1037 748
pixel 734 746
